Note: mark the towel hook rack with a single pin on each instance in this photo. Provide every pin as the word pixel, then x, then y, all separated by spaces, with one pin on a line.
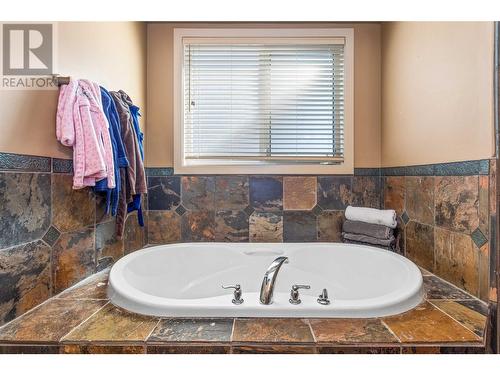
pixel 60 80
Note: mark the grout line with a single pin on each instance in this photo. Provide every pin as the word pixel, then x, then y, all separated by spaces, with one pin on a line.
pixel 312 331
pixel 154 328
pixel 84 321
pixel 468 329
pixel 390 330
pixel 26 243
pixel 232 333
pixel 434 252
pixel 458 300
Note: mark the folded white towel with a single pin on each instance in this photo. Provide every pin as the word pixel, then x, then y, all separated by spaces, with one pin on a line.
pixel 372 215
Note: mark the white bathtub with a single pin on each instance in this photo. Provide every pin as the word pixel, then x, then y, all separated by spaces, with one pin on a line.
pixel 184 280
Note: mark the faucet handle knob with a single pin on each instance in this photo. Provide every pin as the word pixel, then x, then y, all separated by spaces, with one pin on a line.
pixel 323 298
pixel 237 300
pixel 294 293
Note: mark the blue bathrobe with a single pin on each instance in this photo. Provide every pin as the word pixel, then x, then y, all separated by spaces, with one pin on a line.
pixel 120 160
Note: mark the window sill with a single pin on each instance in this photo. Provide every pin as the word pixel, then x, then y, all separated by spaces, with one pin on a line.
pixel 303 169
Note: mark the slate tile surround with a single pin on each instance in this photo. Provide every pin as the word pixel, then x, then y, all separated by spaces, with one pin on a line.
pixel 52 236
pixel 447 215
pixel 219 208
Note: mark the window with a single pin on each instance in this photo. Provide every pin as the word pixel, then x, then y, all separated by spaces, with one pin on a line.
pixel 264 102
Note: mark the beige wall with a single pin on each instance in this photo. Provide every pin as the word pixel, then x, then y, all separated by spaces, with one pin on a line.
pixel 112 54
pixel 437 92
pixel 437 88
pixel 159 152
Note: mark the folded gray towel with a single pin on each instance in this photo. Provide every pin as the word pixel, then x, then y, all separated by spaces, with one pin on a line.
pixel 390 248
pixel 373 230
pixel 369 240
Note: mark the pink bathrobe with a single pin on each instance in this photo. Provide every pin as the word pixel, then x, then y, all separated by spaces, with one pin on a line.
pixel 81 124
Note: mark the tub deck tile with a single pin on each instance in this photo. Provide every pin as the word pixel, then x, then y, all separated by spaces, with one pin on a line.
pixel 427 324
pixel 437 288
pixel 113 324
pixel 94 287
pixel 351 331
pixel 272 330
pixel 49 322
pixel 193 330
pixel 80 320
pixel 468 313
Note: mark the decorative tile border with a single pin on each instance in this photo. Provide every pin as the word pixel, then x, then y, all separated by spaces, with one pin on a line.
pixel 420 170
pixel 20 162
pixel 393 171
pixel 62 165
pixel 366 171
pixel 29 163
pixel 169 171
pixel 464 168
pixel 159 172
pixel 26 163
pixel 460 168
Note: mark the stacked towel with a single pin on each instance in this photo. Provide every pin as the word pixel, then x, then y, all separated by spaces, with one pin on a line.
pixel 370 226
pixel 372 216
pixel 361 228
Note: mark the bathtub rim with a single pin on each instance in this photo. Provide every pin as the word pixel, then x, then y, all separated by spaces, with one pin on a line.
pixel 142 303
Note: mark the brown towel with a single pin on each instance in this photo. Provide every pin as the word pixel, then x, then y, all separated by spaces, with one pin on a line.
pixel 133 181
pixel 369 240
pixel 373 230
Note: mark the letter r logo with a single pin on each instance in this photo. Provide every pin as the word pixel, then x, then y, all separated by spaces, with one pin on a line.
pixel 27 49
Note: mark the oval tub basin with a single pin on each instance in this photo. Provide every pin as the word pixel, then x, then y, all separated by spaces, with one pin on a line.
pixel 184 280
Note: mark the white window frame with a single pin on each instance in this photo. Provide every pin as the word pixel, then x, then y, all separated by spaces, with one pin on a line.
pixel 181 166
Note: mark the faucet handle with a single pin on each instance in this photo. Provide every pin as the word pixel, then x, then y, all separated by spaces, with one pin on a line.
pixel 300 286
pixel 237 300
pixel 323 298
pixel 294 293
pixel 235 287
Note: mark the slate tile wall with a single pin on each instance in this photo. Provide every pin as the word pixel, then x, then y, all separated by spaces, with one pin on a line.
pixel 446 213
pixel 253 208
pixel 51 236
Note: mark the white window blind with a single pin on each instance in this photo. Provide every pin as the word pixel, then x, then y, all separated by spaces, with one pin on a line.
pixel 264 102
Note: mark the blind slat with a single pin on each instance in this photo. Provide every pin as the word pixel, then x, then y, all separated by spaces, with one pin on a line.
pixel 264 102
